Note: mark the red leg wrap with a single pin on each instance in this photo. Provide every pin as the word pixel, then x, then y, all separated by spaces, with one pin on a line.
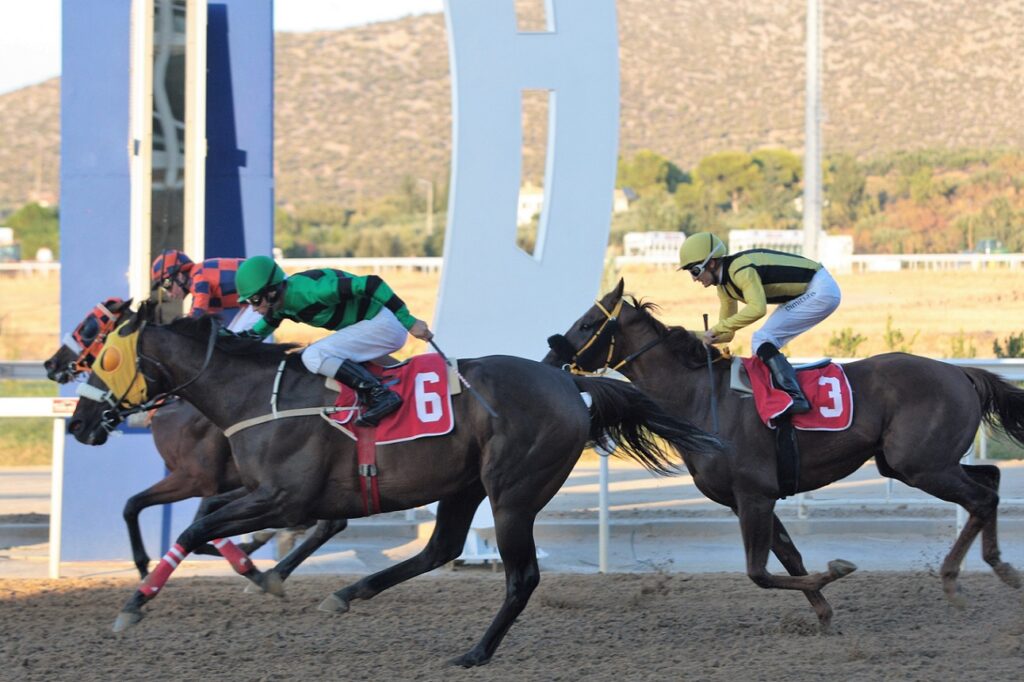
pixel 238 559
pixel 155 580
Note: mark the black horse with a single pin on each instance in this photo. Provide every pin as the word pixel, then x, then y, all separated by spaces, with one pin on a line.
pixel 300 468
pixel 915 416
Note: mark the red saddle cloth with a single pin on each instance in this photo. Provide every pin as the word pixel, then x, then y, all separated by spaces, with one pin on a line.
pixel 827 389
pixel 422 382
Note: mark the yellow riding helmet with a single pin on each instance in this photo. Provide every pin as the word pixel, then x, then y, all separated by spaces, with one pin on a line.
pixel 699 248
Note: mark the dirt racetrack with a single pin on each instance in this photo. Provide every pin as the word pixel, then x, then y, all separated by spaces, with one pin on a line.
pixel 623 627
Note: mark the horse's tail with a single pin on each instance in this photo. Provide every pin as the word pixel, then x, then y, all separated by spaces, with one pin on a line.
pixel 1002 403
pixel 621 413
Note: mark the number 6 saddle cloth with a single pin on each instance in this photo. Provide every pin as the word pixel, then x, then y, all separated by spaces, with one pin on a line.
pixel 423 384
pixel 825 386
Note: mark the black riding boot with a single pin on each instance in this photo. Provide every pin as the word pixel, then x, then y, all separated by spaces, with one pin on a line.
pixel 379 400
pixel 785 377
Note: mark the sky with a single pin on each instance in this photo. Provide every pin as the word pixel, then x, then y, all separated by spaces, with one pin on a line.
pixel 30 48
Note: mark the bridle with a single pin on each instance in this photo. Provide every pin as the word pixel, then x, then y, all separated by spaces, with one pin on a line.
pixel 120 408
pixel 603 337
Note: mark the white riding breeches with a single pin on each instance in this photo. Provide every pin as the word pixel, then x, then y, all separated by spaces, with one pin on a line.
pixel 364 340
pixel 791 319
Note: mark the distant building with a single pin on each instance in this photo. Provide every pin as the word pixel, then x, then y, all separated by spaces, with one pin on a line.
pixel 531 202
pixel 836 250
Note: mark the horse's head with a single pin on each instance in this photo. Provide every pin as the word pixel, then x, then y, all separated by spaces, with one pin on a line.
pixel 80 348
pixel 594 341
pixel 118 385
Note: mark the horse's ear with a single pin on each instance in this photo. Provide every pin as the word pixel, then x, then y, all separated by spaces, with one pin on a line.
pixel 116 305
pixel 617 293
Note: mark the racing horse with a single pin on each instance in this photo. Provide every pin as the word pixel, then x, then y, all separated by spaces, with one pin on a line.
pixel 301 467
pixel 196 453
pixel 915 416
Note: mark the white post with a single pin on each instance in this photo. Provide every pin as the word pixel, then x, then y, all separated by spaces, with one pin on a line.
pixel 56 496
pixel 602 514
pixel 812 133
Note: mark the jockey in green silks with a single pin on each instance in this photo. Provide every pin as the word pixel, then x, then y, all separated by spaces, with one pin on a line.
pixel 367 318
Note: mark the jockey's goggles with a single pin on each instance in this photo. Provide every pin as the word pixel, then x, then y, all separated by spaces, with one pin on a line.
pixel 697 269
pixel 256 300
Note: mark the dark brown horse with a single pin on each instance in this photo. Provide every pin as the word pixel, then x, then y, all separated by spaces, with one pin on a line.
pixel 196 453
pixel 915 416
pixel 301 468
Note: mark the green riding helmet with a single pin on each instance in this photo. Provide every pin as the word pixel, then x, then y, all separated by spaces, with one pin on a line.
pixel 257 274
pixel 699 248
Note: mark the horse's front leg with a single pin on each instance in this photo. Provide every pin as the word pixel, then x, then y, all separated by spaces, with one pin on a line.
pixel 514 534
pixel 254 511
pixel 454 514
pixel 789 556
pixel 174 488
pixel 757 519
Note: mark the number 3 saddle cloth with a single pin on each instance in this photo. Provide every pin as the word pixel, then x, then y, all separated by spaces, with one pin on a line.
pixel 825 386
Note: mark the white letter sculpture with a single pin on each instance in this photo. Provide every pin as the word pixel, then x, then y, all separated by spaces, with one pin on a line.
pixel 494 297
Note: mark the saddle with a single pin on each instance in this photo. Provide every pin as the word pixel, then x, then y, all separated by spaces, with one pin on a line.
pixel 828 391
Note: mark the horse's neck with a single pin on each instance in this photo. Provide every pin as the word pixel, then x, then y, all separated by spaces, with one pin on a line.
pixel 662 376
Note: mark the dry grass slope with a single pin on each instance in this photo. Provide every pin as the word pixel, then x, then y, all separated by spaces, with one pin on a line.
pixel 357 109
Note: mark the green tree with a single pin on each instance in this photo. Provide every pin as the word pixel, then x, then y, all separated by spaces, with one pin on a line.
pixel 36 227
pixel 844 188
pixel 1012 347
pixel 647 171
pixel 729 178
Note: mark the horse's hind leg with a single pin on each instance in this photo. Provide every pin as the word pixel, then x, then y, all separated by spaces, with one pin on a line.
pixel 788 555
pixel 324 531
pixel 514 534
pixel 454 514
pixel 756 526
pixel 952 484
pixel 988 476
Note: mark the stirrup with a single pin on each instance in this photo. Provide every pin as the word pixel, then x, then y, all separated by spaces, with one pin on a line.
pixel 376 409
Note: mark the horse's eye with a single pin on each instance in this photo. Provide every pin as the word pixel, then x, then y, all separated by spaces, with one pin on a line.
pixel 585 326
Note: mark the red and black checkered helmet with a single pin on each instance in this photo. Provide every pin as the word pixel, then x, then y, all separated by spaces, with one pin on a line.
pixel 167 265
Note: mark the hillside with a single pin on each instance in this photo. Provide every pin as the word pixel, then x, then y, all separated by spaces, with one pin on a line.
pixel 360 108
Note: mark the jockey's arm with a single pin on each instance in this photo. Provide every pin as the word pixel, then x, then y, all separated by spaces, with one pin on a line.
pixel 731 320
pixel 377 289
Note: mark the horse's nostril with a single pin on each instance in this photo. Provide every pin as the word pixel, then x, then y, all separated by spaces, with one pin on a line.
pixel 74 426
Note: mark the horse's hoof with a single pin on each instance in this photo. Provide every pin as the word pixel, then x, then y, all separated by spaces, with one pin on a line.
pixel 126 619
pixel 838 568
pixel 271 583
pixel 1008 574
pixel 957 599
pixel 333 604
pixel 469 660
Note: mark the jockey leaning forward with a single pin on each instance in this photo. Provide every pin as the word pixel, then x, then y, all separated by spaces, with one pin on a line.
pixel 211 283
pixel 803 288
pixel 367 318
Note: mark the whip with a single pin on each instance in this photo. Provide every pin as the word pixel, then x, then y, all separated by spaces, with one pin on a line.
pixel 711 379
pixel 465 383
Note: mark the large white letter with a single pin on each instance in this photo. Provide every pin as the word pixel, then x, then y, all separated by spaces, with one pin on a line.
pixel 496 298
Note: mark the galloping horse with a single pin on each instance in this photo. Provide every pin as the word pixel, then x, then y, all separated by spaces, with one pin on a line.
pixel 196 453
pixel 301 467
pixel 915 416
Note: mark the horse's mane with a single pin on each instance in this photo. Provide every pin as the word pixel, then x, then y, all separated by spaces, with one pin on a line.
pixel 200 327
pixel 686 347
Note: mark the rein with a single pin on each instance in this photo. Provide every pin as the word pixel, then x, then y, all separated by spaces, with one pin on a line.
pixel 605 334
pixel 117 413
